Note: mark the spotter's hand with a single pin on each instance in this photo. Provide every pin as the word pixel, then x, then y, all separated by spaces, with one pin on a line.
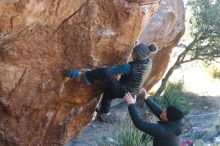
pixel 129 99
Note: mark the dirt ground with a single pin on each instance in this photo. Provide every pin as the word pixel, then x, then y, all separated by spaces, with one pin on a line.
pixel 97 130
pixel 204 104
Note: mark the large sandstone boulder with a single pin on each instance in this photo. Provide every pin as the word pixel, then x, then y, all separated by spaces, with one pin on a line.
pixel 165 29
pixel 38 38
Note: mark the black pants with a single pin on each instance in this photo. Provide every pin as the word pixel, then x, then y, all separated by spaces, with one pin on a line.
pixel 113 89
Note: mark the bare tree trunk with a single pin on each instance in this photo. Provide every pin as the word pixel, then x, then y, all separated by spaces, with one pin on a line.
pixel 177 64
pixel 165 80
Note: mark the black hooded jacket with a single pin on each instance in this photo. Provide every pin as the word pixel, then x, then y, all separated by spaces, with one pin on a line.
pixel 164 133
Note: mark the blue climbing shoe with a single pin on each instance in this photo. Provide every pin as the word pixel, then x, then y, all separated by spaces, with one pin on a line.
pixel 72 73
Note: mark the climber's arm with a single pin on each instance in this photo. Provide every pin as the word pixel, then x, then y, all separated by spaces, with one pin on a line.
pixel 121 69
pixel 116 70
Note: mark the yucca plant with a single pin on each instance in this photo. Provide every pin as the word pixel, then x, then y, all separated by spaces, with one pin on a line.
pixel 125 134
pixel 174 95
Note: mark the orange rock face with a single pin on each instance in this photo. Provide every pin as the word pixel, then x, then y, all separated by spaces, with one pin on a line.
pixel 38 106
pixel 165 29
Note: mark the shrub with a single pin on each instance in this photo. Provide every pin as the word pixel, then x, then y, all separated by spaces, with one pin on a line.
pixel 174 95
pixel 199 142
pixel 216 73
pixel 125 134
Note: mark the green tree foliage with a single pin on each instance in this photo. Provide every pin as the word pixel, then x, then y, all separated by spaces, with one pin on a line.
pixel 205 29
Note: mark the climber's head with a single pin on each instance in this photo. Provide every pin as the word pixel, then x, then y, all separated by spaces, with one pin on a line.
pixel 142 51
pixel 172 113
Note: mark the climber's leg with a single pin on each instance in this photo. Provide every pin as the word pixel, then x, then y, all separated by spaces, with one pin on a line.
pixel 89 76
pixel 113 89
pixel 97 74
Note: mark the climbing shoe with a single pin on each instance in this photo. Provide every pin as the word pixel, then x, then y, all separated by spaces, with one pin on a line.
pixel 107 117
pixel 97 109
pixel 98 113
pixel 72 73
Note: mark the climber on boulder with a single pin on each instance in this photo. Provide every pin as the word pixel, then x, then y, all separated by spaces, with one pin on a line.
pixel 133 76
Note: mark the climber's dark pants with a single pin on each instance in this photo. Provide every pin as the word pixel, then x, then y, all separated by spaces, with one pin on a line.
pixel 113 89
